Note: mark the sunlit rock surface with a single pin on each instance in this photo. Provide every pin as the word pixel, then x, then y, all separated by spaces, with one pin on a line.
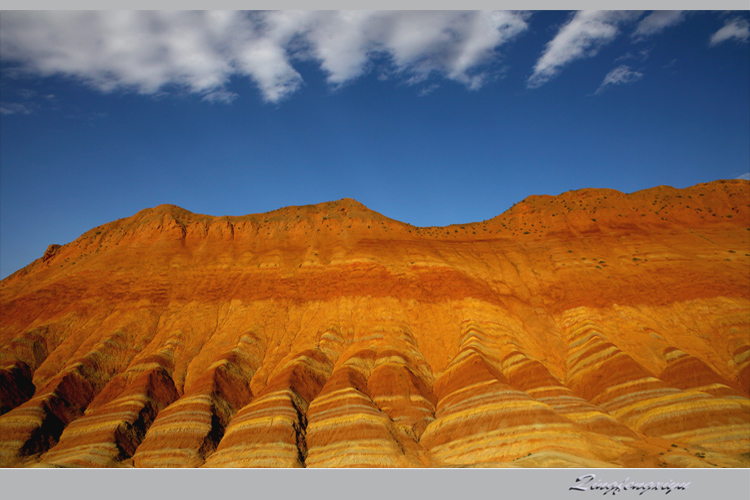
pixel 589 329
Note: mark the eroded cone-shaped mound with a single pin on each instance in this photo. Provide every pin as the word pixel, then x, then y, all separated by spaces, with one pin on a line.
pixel 603 374
pixel 480 419
pixel 113 432
pixel 688 372
pixel 345 427
pixel 401 393
pixel 533 378
pixel 270 431
pixel 589 329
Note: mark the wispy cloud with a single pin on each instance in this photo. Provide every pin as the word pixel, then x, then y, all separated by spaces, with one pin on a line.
pixel 25 103
pixel 149 52
pixel 619 76
pixel 26 93
pixel 427 90
pixel 15 108
pixel 642 55
pixel 736 28
pixel 744 176
pixel 220 95
pixel 583 36
pixel 657 22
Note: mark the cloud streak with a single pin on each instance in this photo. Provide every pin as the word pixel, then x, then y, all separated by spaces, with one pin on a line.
pixel 619 76
pixel 656 22
pixel 199 52
pixel 583 36
pixel 735 28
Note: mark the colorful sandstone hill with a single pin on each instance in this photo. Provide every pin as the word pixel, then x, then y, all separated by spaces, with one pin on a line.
pixel 589 329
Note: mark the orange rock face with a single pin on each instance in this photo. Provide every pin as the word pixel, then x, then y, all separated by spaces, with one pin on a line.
pixel 588 329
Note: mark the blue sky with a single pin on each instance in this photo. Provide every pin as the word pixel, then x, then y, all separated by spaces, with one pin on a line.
pixel 427 118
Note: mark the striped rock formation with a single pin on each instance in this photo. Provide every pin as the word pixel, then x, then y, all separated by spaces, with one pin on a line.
pixel 589 329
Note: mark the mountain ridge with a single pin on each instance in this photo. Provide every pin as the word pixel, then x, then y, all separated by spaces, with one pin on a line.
pixel 521 214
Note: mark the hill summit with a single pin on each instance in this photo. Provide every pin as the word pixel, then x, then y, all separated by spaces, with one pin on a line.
pixel 589 329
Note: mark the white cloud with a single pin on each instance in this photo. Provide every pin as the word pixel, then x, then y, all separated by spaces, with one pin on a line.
pixel 149 52
pixel 656 22
pixel 139 50
pixel 744 176
pixel 734 28
pixel 583 36
pixel 618 76
pixel 452 44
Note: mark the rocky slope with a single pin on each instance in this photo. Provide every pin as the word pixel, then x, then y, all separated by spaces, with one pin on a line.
pixel 593 328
